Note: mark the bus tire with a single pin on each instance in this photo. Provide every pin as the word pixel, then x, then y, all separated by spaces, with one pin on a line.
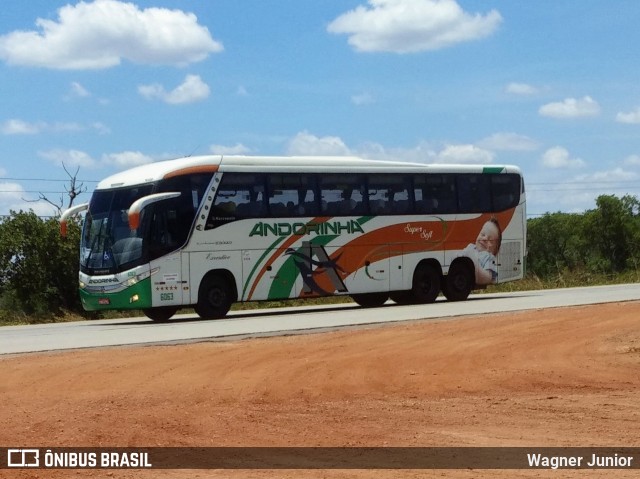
pixel 402 297
pixel 215 297
pixel 459 282
pixel 426 283
pixel 160 315
pixel 370 300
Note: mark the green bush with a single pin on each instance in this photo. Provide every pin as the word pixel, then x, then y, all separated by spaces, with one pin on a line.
pixel 38 267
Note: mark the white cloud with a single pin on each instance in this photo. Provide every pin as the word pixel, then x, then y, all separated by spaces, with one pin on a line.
pixel 571 108
pixel 559 157
pixel 632 117
pixel 521 89
pixel 505 141
pixel 421 153
pixel 102 33
pixel 192 90
pixel 10 194
pixel 362 99
pixel 101 128
pixel 78 91
pixel 237 149
pixel 465 154
pixel 304 143
pixel 608 180
pixel 406 26
pixel 70 158
pixel 632 160
pixel 13 197
pixel 21 127
pixel 126 159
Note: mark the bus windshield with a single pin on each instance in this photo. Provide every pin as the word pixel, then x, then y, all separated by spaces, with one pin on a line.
pixel 107 243
pixel 109 246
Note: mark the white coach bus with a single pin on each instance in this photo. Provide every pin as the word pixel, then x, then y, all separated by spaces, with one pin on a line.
pixel 205 232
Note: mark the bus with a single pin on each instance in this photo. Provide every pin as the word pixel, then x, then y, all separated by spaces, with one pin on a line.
pixel 206 232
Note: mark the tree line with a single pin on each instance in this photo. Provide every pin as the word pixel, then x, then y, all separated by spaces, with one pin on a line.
pixel 39 268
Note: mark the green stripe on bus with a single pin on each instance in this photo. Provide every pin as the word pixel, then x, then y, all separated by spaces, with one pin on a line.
pixel 258 263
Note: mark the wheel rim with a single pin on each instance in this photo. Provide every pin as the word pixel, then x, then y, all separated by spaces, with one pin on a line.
pixel 425 284
pixel 461 282
pixel 216 297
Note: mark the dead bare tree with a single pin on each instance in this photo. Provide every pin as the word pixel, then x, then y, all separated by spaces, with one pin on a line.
pixel 73 190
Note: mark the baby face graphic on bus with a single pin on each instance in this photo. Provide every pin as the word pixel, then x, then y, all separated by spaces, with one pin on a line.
pixel 484 252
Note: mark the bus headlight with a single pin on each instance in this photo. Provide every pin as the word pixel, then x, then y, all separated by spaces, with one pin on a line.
pixel 136 279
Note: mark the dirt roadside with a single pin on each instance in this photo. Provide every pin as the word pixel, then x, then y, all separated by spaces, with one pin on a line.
pixel 556 377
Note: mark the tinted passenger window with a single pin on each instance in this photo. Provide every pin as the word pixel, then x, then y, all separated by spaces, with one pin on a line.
pixel 342 195
pixel 435 194
pixel 506 191
pixel 239 196
pixel 474 193
pixel 389 194
pixel 292 195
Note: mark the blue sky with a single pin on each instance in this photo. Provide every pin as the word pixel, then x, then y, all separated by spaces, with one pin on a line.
pixel 553 87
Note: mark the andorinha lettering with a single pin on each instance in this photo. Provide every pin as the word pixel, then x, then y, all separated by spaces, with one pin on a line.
pixel 301 229
pixel 103 280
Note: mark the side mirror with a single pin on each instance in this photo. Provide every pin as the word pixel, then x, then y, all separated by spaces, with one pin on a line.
pixel 137 206
pixel 68 214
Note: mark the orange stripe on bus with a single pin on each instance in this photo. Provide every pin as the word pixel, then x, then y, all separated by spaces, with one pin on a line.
pixel 192 170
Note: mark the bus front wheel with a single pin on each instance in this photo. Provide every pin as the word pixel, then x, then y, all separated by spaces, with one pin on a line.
pixel 214 298
pixel 459 282
pixel 370 300
pixel 160 315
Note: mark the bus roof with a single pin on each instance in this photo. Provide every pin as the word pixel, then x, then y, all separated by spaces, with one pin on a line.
pixel 285 164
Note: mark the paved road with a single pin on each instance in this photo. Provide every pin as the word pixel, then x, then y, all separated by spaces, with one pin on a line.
pixel 186 328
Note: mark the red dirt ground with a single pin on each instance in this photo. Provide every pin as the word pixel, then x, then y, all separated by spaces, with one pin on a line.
pixel 556 377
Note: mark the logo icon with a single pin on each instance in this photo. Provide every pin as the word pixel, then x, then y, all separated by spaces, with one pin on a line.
pixel 311 268
pixel 23 458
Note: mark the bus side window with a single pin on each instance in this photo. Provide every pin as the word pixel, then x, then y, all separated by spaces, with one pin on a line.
pixel 292 195
pixel 506 191
pixel 435 193
pixel 239 196
pixel 342 195
pixel 388 194
pixel 474 193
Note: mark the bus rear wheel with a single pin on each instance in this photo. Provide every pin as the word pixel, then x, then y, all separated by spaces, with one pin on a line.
pixel 214 298
pixel 459 282
pixel 426 283
pixel 370 300
pixel 402 297
pixel 160 315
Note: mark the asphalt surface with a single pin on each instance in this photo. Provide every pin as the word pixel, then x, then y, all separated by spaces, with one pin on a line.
pixel 284 321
